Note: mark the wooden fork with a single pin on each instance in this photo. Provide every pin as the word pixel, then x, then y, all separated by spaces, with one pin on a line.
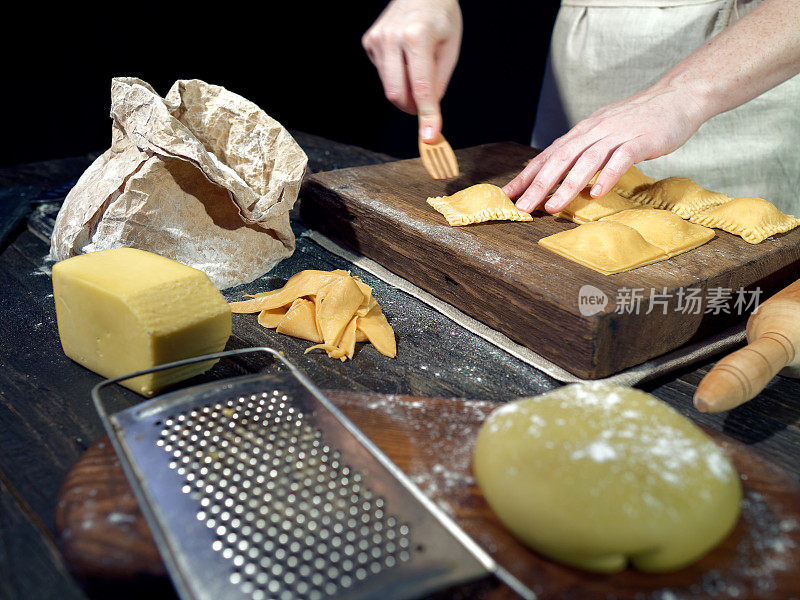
pixel 438 158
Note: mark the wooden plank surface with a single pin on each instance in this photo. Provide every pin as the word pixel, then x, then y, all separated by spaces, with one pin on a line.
pixel 30 564
pixel 48 421
pixel 432 439
pixel 498 274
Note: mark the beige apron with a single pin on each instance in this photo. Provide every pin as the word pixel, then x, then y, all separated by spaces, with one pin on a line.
pixel 603 51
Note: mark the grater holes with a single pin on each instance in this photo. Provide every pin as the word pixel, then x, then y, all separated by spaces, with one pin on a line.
pixel 290 516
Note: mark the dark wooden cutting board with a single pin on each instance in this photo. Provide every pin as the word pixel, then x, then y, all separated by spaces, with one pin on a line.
pixel 104 536
pixel 496 272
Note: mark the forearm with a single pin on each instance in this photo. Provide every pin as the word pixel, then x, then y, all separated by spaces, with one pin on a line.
pixel 749 57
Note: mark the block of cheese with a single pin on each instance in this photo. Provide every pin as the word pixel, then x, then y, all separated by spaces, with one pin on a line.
pixel 125 310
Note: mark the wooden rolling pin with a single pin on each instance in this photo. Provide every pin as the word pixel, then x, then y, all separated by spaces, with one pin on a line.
pixel 773 336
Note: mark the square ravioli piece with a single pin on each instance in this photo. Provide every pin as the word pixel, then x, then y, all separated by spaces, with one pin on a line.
pixel 632 182
pixel 681 195
pixel 664 229
pixel 604 246
pixel 476 204
pixel 753 219
pixel 585 209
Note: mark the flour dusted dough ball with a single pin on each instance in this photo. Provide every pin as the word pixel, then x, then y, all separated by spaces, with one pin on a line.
pixel 594 476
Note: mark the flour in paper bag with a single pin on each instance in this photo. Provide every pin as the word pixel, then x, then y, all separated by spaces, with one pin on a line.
pixel 202 176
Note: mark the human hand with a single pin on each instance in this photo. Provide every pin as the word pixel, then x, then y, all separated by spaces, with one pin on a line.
pixel 414 44
pixel 649 124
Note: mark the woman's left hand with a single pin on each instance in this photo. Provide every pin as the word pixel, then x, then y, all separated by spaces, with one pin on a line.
pixel 647 125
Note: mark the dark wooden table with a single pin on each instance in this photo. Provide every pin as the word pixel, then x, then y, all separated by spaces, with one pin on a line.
pixel 47 420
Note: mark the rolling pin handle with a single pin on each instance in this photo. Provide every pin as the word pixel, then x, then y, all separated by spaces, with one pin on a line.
pixel 740 376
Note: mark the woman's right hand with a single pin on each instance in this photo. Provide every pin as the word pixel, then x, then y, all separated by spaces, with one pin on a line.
pixel 414 44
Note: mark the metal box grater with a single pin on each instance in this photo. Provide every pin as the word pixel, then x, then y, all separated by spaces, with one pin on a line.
pixel 258 487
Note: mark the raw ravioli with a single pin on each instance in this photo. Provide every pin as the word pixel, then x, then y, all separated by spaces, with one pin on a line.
pixel 632 182
pixel 604 246
pixel 753 219
pixel 476 204
pixel 585 209
pixel 664 229
pixel 681 195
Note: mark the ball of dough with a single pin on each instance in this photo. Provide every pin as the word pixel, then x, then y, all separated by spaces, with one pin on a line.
pixel 595 475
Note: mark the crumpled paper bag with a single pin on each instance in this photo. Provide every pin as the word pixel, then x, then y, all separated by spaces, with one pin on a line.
pixel 202 176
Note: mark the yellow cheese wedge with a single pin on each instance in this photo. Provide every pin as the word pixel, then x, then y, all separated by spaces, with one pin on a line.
pixel 125 310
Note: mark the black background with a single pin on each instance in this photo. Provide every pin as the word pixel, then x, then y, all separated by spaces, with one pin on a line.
pixel 302 63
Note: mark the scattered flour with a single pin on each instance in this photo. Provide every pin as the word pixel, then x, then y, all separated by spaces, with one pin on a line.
pixel 46 268
pixel 434 428
pixel 597 451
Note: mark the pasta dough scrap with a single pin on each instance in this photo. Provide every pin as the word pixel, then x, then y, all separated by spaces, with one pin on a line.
pixel 476 204
pixel 664 229
pixel 346 346
pixel 604 246
pixel 377 330
pixel 300 321
pixel 753 219
pixel 304 283
pixel 585 209
pixel 335 307
pixel 681 195
pixel 270 318
pixel 330 308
